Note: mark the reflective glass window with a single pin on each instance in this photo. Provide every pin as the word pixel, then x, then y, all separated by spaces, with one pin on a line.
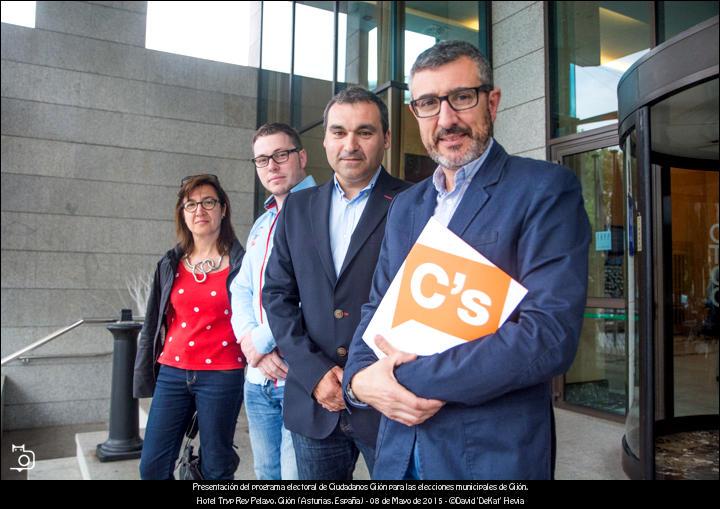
pixel 277 36
pixel 218 31
pixel 314 36
pixel 364 43
pixel 676 17
pixel 427 23
pixel 312 81
pixel 598 374
pixel 695 316
pixel 633 280
pixel 18 13
pixel 600 173
pixel 592 45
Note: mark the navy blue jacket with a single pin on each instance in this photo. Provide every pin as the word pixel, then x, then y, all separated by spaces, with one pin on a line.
pixel 528 218
pixel 312 312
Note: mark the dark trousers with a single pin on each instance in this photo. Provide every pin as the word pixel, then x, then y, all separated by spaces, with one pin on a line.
pixel 217 396
pixel 334 457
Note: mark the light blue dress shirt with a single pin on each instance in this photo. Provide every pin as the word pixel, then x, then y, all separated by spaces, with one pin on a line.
pixel 447 202
pixel 245 289
pixel 344 217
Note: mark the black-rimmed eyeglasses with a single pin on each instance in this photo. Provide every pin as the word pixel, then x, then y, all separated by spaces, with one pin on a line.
pixel 459 100
pixel 279 157
pixel 206 203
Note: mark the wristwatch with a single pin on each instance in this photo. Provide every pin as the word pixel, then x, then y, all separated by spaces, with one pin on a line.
pixel 351 396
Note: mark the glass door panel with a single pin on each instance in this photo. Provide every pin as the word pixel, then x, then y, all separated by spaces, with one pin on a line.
pixel 597 378
pixel 695 325
pixel 633 271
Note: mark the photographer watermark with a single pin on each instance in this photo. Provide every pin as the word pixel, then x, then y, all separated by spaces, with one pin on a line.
pixel 25 459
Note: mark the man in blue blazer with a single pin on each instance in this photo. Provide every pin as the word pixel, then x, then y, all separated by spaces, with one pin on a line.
pixel 326 245
pixel 481 410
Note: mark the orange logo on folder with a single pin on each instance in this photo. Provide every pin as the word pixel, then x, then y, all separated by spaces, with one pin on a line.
pixel 451 294
pixel 444 294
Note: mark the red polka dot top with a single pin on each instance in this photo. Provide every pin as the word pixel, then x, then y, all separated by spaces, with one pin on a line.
pixel 199 334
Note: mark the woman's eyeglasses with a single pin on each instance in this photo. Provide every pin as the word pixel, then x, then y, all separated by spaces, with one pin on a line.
pixel 207 203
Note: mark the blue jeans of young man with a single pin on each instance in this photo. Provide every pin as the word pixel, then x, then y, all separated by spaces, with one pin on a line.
pixel 272 446
pixel 334 457
pixel 217 396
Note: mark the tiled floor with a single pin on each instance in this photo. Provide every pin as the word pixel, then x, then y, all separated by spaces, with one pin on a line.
pixel 588 448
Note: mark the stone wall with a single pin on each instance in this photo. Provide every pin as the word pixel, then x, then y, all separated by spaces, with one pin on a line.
pixel 97 132
pixel 519 67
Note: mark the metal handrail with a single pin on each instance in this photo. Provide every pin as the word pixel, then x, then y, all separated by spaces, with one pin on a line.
pixel 29 358
pixel 55 335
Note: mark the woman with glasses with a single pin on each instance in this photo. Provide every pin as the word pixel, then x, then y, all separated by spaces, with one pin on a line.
pixel 188 359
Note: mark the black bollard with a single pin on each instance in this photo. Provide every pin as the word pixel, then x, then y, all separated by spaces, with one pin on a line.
pixel 124 440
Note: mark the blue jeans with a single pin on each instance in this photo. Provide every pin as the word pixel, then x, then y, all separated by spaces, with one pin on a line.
pixel 273 453
pixel 334 457
pixel 217 396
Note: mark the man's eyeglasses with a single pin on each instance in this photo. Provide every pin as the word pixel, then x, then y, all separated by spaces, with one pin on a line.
pixel 460 100
pixel 207 203
pixel 208 176
pixel 279 157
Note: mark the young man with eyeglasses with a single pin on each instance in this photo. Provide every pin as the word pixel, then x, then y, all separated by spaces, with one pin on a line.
pixel 481 410
pixel 280 161
pixel 326 246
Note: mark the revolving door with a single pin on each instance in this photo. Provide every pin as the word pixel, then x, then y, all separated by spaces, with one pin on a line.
pixel 668 112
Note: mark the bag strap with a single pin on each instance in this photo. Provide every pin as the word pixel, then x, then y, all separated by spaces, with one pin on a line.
pixel 192 429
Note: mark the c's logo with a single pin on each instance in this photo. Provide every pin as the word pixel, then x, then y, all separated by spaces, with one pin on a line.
pixel 443 291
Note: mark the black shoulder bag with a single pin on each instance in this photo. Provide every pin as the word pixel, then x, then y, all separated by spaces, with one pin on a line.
pixel 189 468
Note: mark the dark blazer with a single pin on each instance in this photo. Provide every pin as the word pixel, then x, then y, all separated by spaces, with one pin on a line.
pixel 152 335
pixel 528 218
pixel 312 313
